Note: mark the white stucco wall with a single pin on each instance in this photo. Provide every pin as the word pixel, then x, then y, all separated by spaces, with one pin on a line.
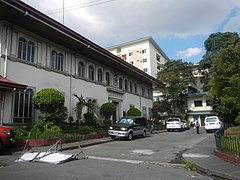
pixel 192 107
pixel 38 75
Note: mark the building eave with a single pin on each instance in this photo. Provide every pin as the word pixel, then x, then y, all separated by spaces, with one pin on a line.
pixel 200 112
pixel 7 84
pixel 199 94
pixel 149 38
pixel 22 15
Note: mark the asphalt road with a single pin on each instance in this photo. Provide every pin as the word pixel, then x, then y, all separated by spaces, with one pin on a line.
pixel 156 157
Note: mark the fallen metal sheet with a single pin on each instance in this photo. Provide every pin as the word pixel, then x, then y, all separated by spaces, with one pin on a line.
pixel 56 158
pixel 48 157
pixel 29 156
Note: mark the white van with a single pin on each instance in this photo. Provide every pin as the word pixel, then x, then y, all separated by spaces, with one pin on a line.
pixel 212 123
pixel 175 124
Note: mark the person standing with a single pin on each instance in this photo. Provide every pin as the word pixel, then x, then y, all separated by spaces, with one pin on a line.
pixel 197 125
pixel 152 125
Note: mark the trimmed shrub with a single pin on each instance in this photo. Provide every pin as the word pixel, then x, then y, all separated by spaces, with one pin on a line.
pixel 48 100
pixel 134 112
pixel 108 109
pixel 89 119
pixel 51 104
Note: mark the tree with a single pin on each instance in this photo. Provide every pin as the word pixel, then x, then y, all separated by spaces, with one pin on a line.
pixel 225 82
pixel 79 106
pixel 134 112
pixel 216 42
pixel 51 104
pixel 162 106
pixel 107 109
pixel 176 75
pixel 91 115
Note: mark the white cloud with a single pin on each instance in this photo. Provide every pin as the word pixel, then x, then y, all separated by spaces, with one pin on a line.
pixel 188 53
pixel 118 21
pixel 233 24
pixel 110 22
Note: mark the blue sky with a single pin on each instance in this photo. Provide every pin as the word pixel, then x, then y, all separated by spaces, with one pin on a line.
pixel 190 49
pixel 180 27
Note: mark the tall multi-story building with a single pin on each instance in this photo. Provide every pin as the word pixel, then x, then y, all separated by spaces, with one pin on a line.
pixel 144 54
pixel 37 52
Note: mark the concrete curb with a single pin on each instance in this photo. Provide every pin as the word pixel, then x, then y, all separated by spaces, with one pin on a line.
pixel 85 145
pixel 227 157
pixel 214 173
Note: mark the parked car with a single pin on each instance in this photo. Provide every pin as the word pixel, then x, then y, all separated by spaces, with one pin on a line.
pixel 175 124
pixel 212 123
pixel 128 127
pixel 185 125
pixel 7 136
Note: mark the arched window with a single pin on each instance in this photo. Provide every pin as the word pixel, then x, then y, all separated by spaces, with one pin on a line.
pixel 108 78
pixel 30 51
pixel 54 60
pixel 143 91
pixel 81 69
pixel 60 62
pixel 100 76
pixel 120 83
pixel 135 88
pixel 26 50
pixel 57 61
pixel 131 87
pixel 126 85
pixel 23 106
pixel 91 73
pixel 22 48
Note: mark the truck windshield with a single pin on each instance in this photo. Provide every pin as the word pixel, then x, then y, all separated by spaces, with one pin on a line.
pixel 125 121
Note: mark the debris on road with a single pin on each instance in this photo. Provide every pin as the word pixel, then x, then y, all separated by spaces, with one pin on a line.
pixel 50 156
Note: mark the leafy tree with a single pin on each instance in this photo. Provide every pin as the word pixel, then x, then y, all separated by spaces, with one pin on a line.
pixel 134 112
pixel 237 120
pixel 176 75
pixel 225 82
pixel 215 43
pixel 51 104
pixel 79 106
pixel 162 106
pixel 91 116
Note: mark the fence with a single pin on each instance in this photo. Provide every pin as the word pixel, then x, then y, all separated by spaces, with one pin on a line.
pixel 229 144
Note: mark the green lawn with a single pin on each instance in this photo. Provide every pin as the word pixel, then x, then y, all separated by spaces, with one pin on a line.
pixel 233 129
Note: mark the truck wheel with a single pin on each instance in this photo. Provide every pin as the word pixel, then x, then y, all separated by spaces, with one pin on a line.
pixel 112 137
pixel 130 136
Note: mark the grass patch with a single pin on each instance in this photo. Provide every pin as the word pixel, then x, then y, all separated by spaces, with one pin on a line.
pixel 234 129
pixel 189 166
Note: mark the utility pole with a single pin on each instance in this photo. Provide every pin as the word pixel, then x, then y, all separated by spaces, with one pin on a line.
pixel 63 12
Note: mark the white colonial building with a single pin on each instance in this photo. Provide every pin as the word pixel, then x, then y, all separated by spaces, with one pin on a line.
pixel 144 54
pixel 37 52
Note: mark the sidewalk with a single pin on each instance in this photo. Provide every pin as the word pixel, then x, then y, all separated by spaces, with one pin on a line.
pixel 74 145
pixel 201 155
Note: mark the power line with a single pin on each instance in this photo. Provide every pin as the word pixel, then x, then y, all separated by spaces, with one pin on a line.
pixel 83 5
